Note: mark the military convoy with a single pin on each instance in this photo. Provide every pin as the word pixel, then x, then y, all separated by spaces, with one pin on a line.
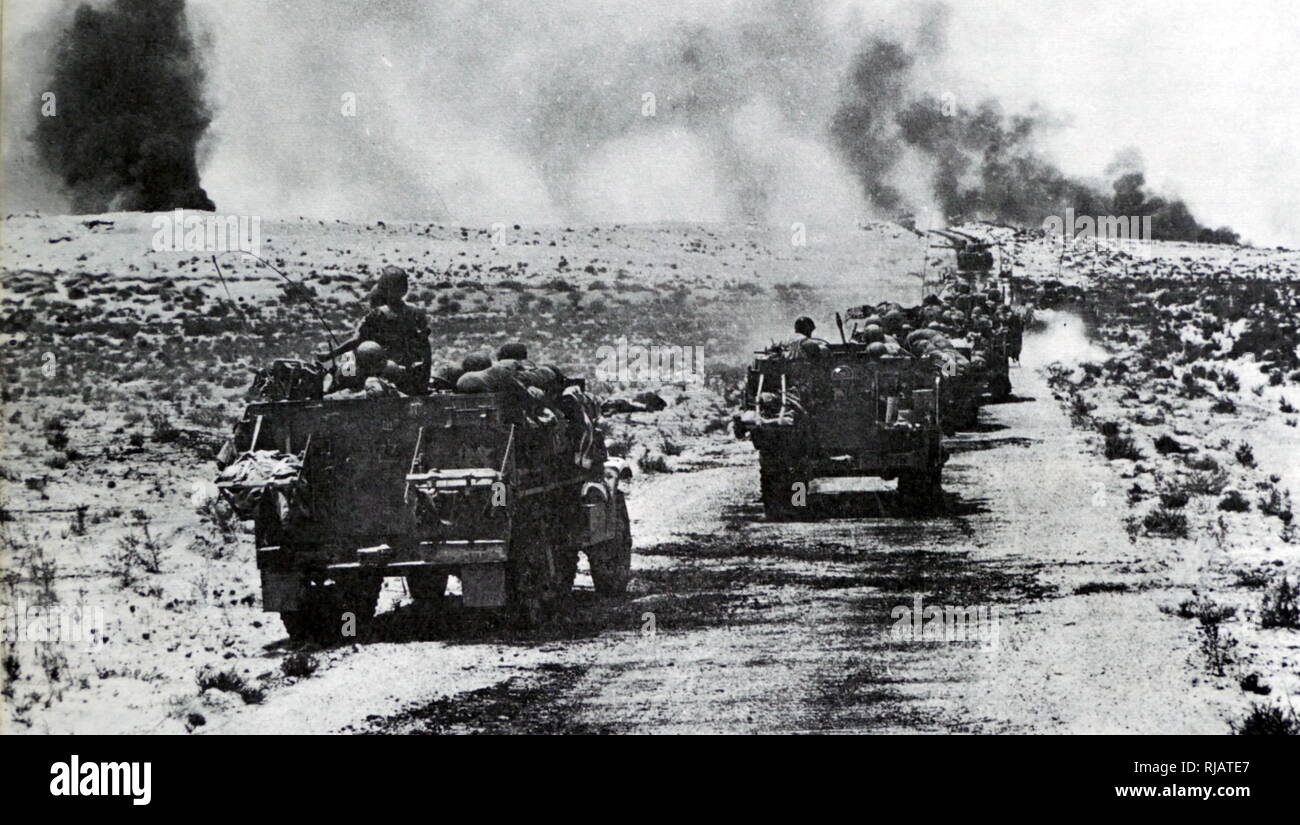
pixel 850 410
pixel 879 403
pixel 500 478
pixel 490 487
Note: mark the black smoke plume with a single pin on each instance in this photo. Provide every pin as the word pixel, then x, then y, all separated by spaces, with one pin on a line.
pixel 983 163
pixel 128 86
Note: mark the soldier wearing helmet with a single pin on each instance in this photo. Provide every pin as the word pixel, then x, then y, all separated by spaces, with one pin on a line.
pixel 805 346
pixel 400 331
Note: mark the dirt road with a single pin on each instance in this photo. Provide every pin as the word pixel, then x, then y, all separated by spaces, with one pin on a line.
pixel 741 625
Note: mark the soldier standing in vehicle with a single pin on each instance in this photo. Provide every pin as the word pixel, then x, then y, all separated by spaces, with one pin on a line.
pixel 401 330
pixel 805 346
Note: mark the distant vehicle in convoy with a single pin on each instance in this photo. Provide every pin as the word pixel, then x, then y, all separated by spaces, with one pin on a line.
pixel 842 410
pixel 486 487
pixel 987 321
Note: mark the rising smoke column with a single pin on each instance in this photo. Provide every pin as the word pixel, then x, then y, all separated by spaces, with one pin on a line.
pixel 128 86
pixel 864 126
pixel 981 162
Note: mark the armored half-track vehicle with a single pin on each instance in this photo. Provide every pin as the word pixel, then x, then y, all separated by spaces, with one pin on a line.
pixel 960 389
pixel 344 493
pixel 842 410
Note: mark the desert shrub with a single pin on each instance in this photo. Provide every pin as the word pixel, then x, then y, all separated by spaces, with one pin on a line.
pixel 210 416
pixel 1223 406
pixel 160 422
pixel 133 554
pixel 1234 502
pixel 619 446
pixel 218 513
pixel 1204 610
pixel 1101 587
pixel 57 439
pixel 1174 498
pixel 669 446
pixel 1276 503
pixel 1281 606
pixel 1121 446
pixel 1250 578
pixel 1217 646
pixel 1206 483
pixel 651 462
pixel 1250 683
pixel 1267 720
pixel 1167 444
pixel 229 681
pixel 1165 522
pixel 298 665
pixel 1192 388
pixel 1245 455
pixel 1080 408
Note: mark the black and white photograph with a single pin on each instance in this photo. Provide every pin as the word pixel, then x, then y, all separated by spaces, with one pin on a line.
pixel 697 367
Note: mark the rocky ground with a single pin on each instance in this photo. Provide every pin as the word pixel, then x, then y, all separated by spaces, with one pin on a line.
pixel 1126 519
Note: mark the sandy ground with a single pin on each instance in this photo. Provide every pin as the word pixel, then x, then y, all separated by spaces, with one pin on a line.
pixel 732 624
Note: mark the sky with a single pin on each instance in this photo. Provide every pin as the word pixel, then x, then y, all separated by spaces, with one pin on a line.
pixel 1209 92
pixel 450 122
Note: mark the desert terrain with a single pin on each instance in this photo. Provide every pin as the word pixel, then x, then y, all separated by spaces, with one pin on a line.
pixel 1127 515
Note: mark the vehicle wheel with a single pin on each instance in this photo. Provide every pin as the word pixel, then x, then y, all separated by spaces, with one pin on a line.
pixel 297 624
pixel 611 564
pixel 360 597
pixel 566 569
pixel 319 618
pixel 428 590
pixel 920 488
pixel 1000 387
pixel 532 576
pixel 777 489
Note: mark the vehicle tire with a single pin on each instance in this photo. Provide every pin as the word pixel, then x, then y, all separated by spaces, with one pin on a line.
pixel 319 618
pixel 1000 387
pixel 565 560
pixel 531 575
pixel 611 561
pixel 428 590
pixel 297 624
pixel 776 488
pixel 920 488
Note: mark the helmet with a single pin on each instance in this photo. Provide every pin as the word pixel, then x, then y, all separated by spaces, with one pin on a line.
pixel 804 325
pixel 877 349
pixel 392 282
pixel 873 333
pixel 475 361
pixel 513 351
pixel 370 357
